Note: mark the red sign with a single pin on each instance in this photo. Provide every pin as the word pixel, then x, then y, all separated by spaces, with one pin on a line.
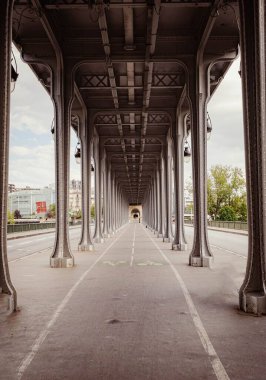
pixel 40 207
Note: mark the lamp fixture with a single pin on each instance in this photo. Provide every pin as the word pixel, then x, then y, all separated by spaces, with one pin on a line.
pixel 209 126
pixel 187 152
pixel 77 153
pixel 52 128
pixel 14 74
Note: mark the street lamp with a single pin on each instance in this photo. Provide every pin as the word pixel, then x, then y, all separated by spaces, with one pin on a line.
pixel 209 126
pixel 14 77
pixel 52 128
pixel 187 152
pixel 77 153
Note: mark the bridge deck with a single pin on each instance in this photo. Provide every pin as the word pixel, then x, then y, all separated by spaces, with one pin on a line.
pixel 131 310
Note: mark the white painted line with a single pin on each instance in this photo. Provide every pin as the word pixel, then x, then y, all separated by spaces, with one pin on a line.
pixel 40 339
pixel 216 363
pixel 228 251
pixel 133 247
pixel 29 255
pixel 26 242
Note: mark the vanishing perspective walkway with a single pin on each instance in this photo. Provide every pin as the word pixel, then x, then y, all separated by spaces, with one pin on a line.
pixel 133 309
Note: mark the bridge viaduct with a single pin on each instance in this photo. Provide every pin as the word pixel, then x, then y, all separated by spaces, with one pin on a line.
pixel 134 78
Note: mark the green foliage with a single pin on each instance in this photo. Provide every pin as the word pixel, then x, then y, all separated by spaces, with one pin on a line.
pixel 10 217
pixel 78 214
pixel 51 213
pixel 226 193
pixel 93 211
pixel 227 213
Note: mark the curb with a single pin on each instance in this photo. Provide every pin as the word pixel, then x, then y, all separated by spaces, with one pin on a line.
pixel 235 232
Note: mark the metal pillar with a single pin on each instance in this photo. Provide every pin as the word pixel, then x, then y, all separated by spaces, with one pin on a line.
pixel 63 97
pixel 6 286
pixel 108 193
pixel 179 242
pixel 85 243
pixel 98 238
pixel 160 200
pixel 167 226
pixel 105 191
pixel 198 91
pixel 252 295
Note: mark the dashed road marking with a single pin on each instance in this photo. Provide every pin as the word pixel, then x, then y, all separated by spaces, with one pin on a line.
pixel 114 263
pixel 133 247
pixel 41 338
pixel 216 363
pixel 228 251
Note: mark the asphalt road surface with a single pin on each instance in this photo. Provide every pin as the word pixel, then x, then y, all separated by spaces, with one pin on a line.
pixel 18 248
pixel 230 242
pixel 31 245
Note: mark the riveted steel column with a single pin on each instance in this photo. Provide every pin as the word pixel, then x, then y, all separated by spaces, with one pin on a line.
pixel 166 236
pixel 153 226
pixel 105 213
pixel 112 208
pixel 98 238
pixel 85 243
pixel 63 97
pixel 109 201
pixel 6 7
pixel 155 208
pixel 179 242
pixel 198 91
pixel 160 199
pixel 252 295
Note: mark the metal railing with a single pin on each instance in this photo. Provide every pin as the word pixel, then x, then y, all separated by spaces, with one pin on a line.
pixel 11 228
pixel 224 224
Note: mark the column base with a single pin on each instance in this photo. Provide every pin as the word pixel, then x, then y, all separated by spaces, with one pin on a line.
pixel 166 240
pixel 254 302
pixel 61 262
pixel 98 240
pixel 201 261
pixel 159 235
pixel 86 247
pixel 7 303
pixel 179 247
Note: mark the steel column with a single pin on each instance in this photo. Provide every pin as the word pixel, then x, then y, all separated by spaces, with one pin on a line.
pixel 85 243
pixel 252 295
pixel 63 95
pixel 6 7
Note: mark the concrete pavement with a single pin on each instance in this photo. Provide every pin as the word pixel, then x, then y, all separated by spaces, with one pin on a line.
pixel 133 309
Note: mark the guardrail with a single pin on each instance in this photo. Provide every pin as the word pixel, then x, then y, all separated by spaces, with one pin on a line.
pixel 224 224
pixel 11 228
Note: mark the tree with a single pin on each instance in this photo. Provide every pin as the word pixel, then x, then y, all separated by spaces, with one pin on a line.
pixel 226 193
pixel 51 213
pixel 227 213
pixel 10 217
pixel 93 211
pixel 17 214
pixel 78 214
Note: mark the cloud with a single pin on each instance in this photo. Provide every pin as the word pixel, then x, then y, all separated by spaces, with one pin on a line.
pixel 20 151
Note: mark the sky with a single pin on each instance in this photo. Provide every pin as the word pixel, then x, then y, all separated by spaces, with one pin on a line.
pixel 31 161
pixel 226 144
